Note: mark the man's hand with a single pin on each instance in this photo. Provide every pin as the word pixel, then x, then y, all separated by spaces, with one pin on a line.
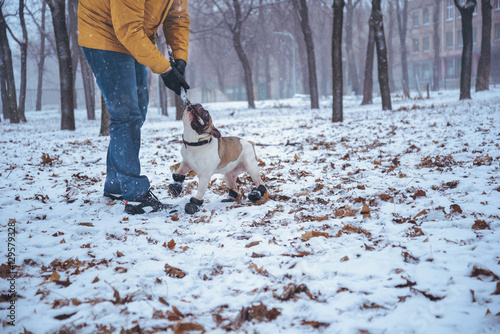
pixel 174 80
pixel 180 65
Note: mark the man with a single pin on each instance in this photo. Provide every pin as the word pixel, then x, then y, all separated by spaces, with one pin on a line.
pixel 117 38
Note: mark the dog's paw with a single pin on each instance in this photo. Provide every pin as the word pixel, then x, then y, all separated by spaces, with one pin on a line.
pixel 232 196
pixel 176 187
pixel 193 206
pixel 257 193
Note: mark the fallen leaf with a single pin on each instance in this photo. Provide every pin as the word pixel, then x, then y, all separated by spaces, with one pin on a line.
pixel 312 234
pixel 419 193
pixel 252 244
pixel 64 316
pixel 497 291
pixel 421 213
pixel 174 272
pixel 455 208
pixel 480 225
pixel 315 324
pixel 188 327
pixel 477 272
pixel 171 244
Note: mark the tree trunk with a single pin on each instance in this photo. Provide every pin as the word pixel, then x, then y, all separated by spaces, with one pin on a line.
pixel 403 27
pixel 483 67
pixel 105 117
pixel 390 49
pixel 303 12
pixel 73 42
pixel 57 8
pixel 370 53
pixel 351 55
pixel 24 55
pixel 383 74
pixel 41 60
pixel 9 99
pixel 88 87
pixel 338 17
pixel 246 69
pixel 437 46
pixel 467 11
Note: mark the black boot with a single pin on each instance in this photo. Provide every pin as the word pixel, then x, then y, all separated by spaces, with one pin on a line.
pixel 176 187
pixel 232 196
pixel 146 204
pixel 257 193
pixel 193 205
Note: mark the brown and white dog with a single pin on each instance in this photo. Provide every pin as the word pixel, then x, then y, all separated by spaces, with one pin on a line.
pixel 207 153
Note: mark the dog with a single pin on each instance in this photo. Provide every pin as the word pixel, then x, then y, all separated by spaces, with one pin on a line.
pixel 206 152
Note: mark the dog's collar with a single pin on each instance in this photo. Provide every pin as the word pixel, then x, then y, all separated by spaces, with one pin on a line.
pixel 198 143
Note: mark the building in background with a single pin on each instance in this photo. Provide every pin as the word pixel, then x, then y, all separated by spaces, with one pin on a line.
pixel 421 47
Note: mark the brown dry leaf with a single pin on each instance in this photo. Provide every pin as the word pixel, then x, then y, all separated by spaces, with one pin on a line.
pixel 344 259
pixel 253 243
pixel 291 291
pixel 188 327
pixel 421 213
pixel 86 224
pixel 455 208
pixel 175 218
pixel 260 271
pixel 365 210
pixel 171 244
pixel 52 279
pixel 497 291
pixel 121 270
pixel 419 193
pixel 4 270
pixel 257 312
pixel 312 234
pixel 353 229
pixel 96 279
pixel 477 272
pixel 119 254
pixel 315 324
pixel 480 225
pixel 174 272
pixel 296 157
pixel 175 315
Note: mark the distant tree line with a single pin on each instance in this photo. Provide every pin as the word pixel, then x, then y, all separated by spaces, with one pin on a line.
pixel 244 43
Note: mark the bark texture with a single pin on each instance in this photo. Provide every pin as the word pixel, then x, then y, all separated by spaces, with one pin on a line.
pixel 303 13
pixel 467 11
pixel 383 74
pixel 483 66
pixel 338 17
pixel 370 53
pixel 57 8
pixel 9 100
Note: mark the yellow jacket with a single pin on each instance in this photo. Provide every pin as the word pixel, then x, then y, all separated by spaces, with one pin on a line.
pixel 130 26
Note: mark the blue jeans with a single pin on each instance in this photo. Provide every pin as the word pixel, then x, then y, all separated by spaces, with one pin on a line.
pixel 124 84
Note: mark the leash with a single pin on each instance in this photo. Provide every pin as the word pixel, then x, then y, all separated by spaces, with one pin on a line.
pixel 183 95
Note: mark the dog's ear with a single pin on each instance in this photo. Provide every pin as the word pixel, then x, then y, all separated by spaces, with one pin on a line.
pixel 215 133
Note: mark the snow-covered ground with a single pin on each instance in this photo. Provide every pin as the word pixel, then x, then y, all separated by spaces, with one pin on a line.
pixel 386 223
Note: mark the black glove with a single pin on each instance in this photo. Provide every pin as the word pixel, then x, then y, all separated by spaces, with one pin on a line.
pixel 180 65
pixel 174 80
